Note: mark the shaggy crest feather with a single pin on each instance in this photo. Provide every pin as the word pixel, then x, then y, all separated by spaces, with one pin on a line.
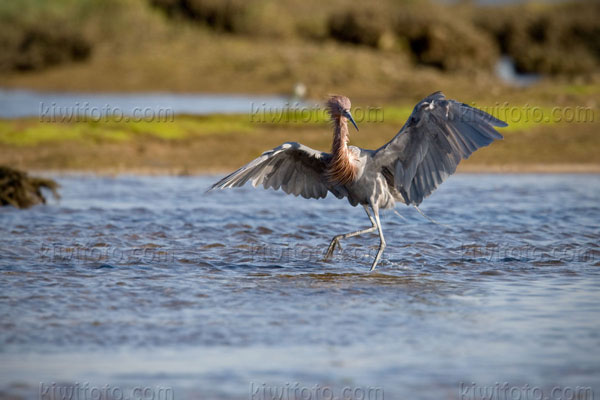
pixel 341 168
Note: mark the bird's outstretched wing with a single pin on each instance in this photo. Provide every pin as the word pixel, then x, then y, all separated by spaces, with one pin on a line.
pixel 293 167
pixel 438 134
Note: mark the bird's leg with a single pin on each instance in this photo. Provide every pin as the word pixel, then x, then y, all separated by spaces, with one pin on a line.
pixel 336 239
pixel 381 239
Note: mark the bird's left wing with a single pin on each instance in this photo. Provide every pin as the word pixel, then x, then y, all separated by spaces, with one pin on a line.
pixel 293 167
pixel 438 134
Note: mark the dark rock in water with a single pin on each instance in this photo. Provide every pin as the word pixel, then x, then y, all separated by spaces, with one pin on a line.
pixel 22 191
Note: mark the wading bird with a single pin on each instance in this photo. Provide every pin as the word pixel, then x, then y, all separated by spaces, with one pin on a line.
pixel 438 134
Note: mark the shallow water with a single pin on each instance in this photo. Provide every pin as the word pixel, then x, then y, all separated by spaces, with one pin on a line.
pixel 147 281
pixel 18 103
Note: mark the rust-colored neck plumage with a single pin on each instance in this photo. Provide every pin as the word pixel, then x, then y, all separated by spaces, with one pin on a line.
pixel 341 167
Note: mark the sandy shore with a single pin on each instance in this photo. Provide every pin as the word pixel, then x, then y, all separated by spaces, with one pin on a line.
pixel 462 169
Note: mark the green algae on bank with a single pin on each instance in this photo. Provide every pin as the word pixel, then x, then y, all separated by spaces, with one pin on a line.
pixel 536 136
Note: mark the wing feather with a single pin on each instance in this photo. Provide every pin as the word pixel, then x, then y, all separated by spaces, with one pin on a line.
pixel 437 136
pixel 292 167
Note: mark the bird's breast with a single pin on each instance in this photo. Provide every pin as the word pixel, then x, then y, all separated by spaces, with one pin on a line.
pixel 371 188
pixel 344 166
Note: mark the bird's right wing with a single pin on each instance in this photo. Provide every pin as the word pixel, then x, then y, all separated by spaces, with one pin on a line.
pixel 293 167
pixel 438 134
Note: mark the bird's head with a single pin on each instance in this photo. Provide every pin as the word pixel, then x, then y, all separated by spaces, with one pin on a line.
pixel 339 107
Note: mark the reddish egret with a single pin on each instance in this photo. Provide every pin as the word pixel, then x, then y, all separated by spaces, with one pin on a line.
pixel 438 134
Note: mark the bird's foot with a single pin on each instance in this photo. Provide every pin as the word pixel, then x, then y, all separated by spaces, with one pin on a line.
pixel 374 265
pixel 378 256
pixel 334 242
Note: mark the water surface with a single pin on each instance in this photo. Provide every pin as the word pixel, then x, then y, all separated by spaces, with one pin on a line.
pixel 149 281
pixel 18 103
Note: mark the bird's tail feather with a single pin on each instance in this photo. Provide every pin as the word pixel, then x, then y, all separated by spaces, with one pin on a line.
pixel 426 216
pixel 398 214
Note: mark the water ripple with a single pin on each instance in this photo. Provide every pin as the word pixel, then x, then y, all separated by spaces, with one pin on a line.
pixel 510 287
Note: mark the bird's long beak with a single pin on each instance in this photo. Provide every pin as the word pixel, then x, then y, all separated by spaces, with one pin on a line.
pixel 349 116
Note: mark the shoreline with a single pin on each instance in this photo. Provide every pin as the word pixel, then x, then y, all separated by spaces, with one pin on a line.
pixel 509 169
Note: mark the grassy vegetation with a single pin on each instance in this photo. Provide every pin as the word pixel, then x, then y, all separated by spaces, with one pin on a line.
pixel 450 37
pixel 191 144
pixel 388 54
pixel 387 51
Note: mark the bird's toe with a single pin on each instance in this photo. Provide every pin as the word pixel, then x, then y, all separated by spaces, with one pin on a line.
pixel 335 242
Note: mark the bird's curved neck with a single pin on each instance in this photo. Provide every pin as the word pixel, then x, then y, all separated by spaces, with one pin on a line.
pixel 340 137
pixel 341 167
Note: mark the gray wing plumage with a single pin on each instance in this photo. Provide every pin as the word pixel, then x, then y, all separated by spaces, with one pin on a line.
pixel 437 136
pixel 292 167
